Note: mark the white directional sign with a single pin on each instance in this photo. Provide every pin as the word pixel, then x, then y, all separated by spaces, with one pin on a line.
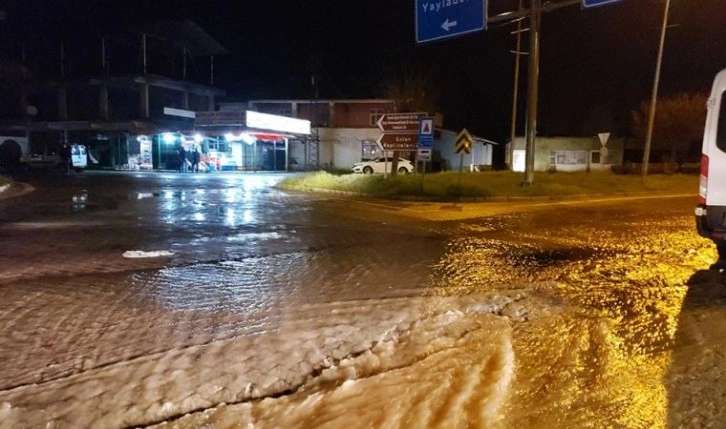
pixel 423 155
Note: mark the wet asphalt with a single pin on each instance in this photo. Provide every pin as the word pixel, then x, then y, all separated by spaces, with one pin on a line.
pixel 633 337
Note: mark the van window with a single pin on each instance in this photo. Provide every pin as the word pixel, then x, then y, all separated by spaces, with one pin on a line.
pixel 721 135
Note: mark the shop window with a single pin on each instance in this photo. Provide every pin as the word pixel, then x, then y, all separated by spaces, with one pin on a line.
pixel 721 127
pixel 568 157
pixel 595 157
pixel 375 115
pixel 371 150
pixel 220 145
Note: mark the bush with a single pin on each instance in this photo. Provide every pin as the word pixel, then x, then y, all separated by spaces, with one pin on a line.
pixel 338 171
pixel 653 168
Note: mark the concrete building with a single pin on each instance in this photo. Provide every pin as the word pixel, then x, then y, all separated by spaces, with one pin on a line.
pixel 480 158
pixel 345 131
pixel 112 107
pixel 567 153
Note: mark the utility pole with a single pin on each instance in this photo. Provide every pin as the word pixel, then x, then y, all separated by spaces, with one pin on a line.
pixel 515 92
pixel 104 70
pixel 532 91
pixel 654 95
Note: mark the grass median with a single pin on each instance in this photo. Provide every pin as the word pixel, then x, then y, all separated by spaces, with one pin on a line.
pixel 495 184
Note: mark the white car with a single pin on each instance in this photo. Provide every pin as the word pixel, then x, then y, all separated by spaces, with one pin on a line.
pixel 381 165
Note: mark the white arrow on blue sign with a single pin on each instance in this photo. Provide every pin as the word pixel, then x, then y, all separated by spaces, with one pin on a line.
pixel 439 19
pixel 593 3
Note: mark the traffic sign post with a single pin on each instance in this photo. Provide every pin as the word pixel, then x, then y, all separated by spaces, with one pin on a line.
pixel 400 131
pixel 423 155
pixel 407 142
pixel 442 19
pixel 426 133
pixel 463 142
pixel 595 3
pixel 462 145
pixel 399 122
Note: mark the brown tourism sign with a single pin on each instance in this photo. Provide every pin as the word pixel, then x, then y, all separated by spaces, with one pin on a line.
pixel 399 122
pixel 398 141
pixel 400 131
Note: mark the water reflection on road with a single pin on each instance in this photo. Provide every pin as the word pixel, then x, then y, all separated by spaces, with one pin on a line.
pixel 286 310
pixel 602 363
pixel 616 349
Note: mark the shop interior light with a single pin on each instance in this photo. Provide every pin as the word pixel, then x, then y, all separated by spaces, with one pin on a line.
pixel 248 138
pixel 169 138
pixel 198 138
pixel 237 137
pixel 142 139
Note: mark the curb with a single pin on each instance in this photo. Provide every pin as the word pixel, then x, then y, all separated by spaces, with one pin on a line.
pixel 532 199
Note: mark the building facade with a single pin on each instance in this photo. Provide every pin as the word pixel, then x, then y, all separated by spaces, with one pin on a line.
pixel 114 109
pixel 346 131
pixel 568 153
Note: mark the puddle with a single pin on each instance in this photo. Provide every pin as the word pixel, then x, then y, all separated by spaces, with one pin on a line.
pixel 545 258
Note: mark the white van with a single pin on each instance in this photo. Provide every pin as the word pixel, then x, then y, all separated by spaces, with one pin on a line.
pixel 711 210
pixel 49 158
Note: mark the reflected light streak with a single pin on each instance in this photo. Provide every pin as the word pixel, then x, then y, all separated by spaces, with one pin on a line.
pixel 230 217
pixel 248 216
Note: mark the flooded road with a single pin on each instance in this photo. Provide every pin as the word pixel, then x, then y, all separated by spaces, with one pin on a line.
pixel 271 309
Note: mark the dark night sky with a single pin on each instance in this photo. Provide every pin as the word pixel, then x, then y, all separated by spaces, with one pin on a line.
pixel 597 64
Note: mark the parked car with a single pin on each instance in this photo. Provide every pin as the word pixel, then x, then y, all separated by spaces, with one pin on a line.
pixel 380 165
pixel 711 209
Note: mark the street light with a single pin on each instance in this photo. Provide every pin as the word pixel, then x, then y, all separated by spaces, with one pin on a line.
pixel 169 138
pixel 654 96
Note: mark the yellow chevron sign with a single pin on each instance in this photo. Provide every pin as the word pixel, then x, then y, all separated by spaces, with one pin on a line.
pixel 463 142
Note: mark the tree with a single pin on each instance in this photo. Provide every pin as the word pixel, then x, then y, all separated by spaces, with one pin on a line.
pixel 679 120
pixel 412 91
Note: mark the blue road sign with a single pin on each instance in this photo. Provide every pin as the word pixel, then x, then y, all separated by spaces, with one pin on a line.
pixel 593 3
pixel 439 19
pixel 425 133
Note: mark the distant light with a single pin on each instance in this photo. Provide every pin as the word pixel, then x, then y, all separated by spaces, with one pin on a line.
pixel 236 137
pixel 142 139
pixel 169 138
pixel 198 138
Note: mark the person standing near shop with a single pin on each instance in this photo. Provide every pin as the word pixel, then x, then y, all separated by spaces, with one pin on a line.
pixel 182 159
pixel 65 156
pixel 196 156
